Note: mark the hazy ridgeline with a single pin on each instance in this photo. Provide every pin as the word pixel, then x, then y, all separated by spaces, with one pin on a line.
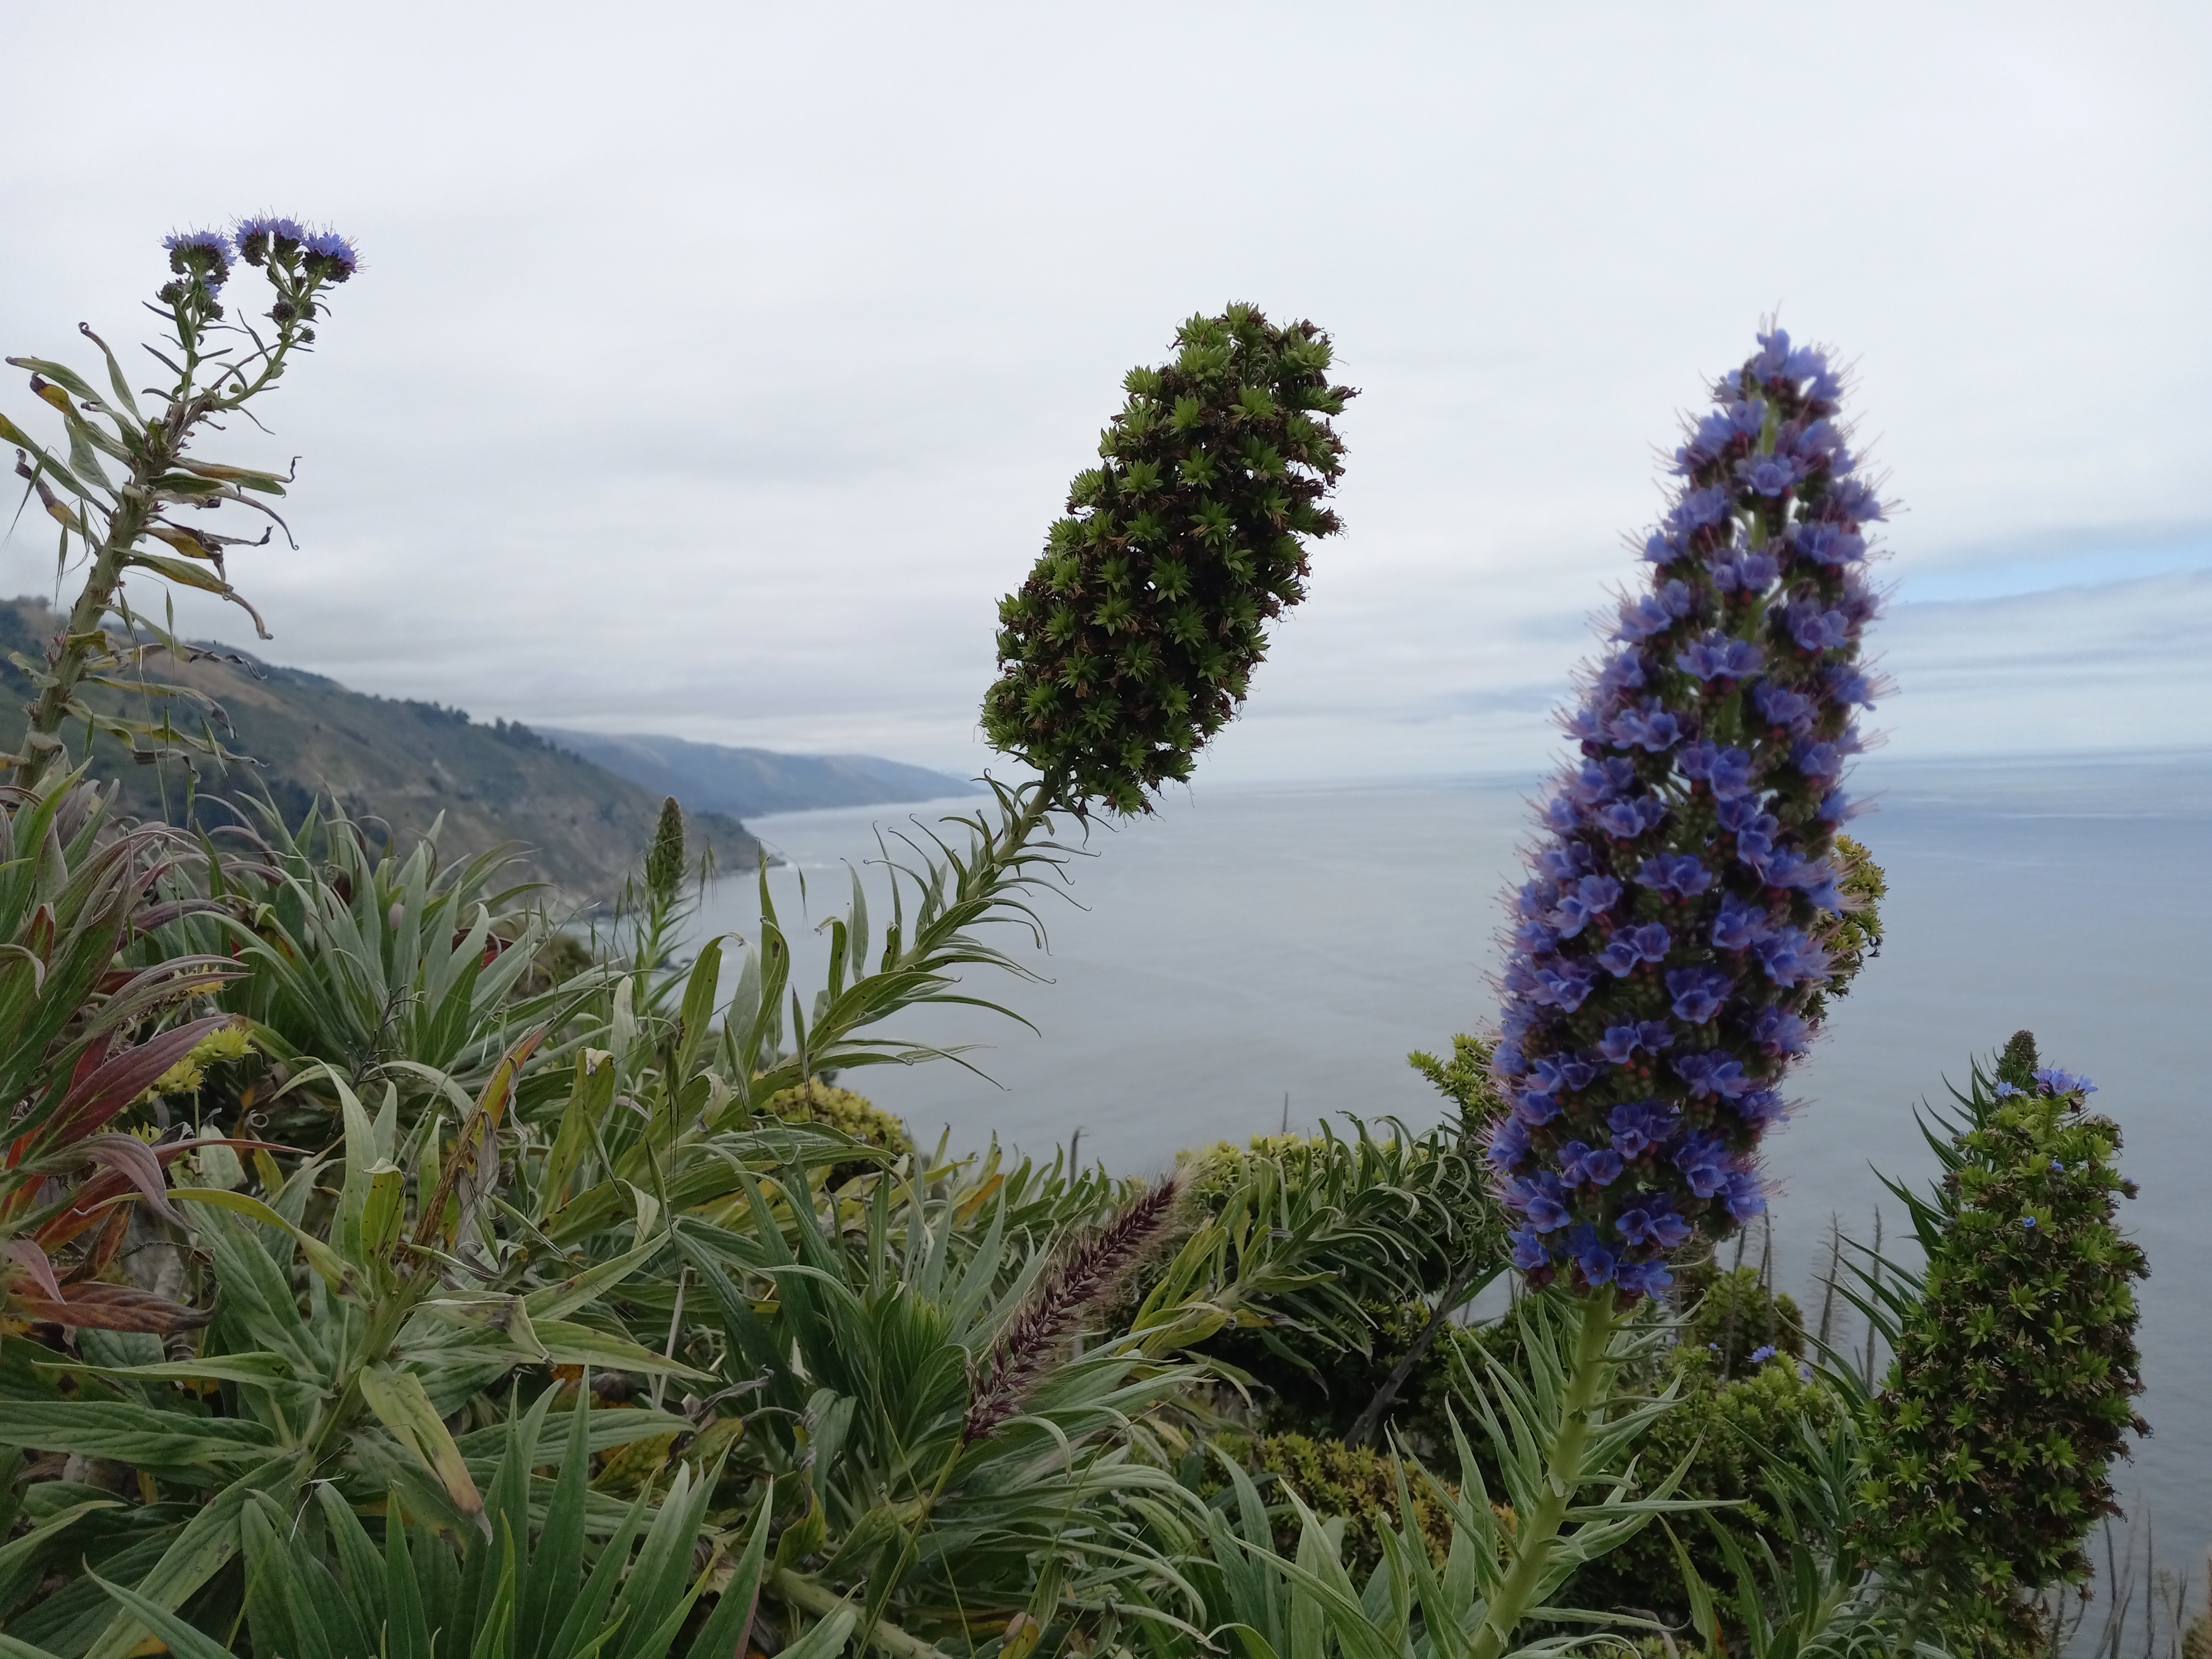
pixel 386 1269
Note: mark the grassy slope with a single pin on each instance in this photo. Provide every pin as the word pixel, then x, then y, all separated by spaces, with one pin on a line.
pixel 403 762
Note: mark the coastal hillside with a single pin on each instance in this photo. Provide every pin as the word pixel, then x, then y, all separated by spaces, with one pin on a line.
pixel 710 777
pixel 581 827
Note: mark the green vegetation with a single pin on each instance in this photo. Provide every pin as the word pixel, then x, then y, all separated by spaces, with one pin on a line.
pixel 383 1272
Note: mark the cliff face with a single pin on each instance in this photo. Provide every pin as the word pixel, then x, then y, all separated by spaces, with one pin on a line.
pixel 580 827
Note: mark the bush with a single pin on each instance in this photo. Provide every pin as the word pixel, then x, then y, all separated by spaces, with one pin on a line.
pixel 816 1102
pixel 2016 1367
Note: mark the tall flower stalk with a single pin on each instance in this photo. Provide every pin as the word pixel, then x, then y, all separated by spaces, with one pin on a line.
pixel 1665 958
pixel 133 521
pixel 1666 953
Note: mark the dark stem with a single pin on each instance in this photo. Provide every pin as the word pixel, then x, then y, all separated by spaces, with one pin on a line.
pixel 1454 1298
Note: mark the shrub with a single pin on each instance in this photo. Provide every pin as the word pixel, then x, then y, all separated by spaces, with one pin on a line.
pixel 816 1102
pixel 2016 1369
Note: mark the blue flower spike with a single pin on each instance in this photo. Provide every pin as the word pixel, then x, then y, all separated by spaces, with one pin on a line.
pixel 1666 960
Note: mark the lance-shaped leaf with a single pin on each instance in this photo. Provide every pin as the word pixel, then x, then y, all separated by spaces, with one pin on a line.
pixel 132 1434
pixel 334 1272
pixel 589 1101
pixel 117 1082
pixel 134 1160
pixel 567 1344
pixel 111 1308
pixel 402 1406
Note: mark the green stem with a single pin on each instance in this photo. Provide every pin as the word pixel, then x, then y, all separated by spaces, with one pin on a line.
pixel 821 1601
pixel 1536 1537
pixel 42 743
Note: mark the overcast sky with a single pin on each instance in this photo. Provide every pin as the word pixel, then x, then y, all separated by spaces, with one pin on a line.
pixel 714 368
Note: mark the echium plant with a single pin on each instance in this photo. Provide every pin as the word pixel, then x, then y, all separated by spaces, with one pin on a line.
pixel 133 518
pixel 2016 1372
pixel 1669 948
pixel 1134 638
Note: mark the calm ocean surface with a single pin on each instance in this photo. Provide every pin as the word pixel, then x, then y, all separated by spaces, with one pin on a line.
pixel 1250 944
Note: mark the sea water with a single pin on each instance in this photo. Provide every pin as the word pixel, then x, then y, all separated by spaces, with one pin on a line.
pixel 1249 958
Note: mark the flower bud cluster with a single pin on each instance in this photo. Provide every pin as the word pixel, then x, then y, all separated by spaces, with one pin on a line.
pixel 1666 953
pixel 1134 638
pixel 200 260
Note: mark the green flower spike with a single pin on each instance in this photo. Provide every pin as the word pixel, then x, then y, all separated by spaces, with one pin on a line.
pixel 1134 638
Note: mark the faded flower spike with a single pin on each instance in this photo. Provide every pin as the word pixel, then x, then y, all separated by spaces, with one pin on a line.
pixel 1670 951
pixel 1134 638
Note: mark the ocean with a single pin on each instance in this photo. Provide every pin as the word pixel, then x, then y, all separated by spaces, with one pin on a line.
pixel 1251 955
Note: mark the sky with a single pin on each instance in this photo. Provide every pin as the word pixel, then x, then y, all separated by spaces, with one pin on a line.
pixel 712 369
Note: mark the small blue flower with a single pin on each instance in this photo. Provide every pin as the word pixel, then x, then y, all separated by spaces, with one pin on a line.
pixel 1534 1107
pixel 254 236
pixel 202 254
pixel 330 256
pixel 1684 873
pixel 1638 1126
pixel 1746 1195
pixel 1761 1354
pixel 1778 706
pixel 1647 1278
pixel 1594 896
pixel 1854 500
pixel 1778 1031
pixel 1596 1261
pixel 2056 1081
pixel 1697 508
pixel 1804 1372
pixel 1509 1143
pixel 1716 656
pixel 1624 820
pixel 1566 986
pixel 1771 475
pixel 1761 1107
pixel 2027 1221
pixel 1829 543
pixel 1739 925
pixel 1698 993
pixel 2005 1090
pixel 1713 1073
pixel 1652 1220
pixel 1654 729
pixel 1528 1251
pixel 1815 629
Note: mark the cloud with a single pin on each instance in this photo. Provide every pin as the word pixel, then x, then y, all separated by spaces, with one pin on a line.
pixel 714 371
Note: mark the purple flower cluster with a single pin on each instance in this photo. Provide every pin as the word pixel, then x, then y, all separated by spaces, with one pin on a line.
pixel 326 255
pixel 202 254
pixel 2053 1081
pixel 1664 951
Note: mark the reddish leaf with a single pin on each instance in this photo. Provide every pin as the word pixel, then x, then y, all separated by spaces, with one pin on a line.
pixel 111 1308
pixel 134 1160
pixel 88 1204
pixel 30 1261
pixel 121 1080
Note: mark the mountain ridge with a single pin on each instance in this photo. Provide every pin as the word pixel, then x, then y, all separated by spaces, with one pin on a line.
pixel 750 782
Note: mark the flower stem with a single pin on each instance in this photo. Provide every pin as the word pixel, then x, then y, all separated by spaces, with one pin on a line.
pixel 1537 1539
